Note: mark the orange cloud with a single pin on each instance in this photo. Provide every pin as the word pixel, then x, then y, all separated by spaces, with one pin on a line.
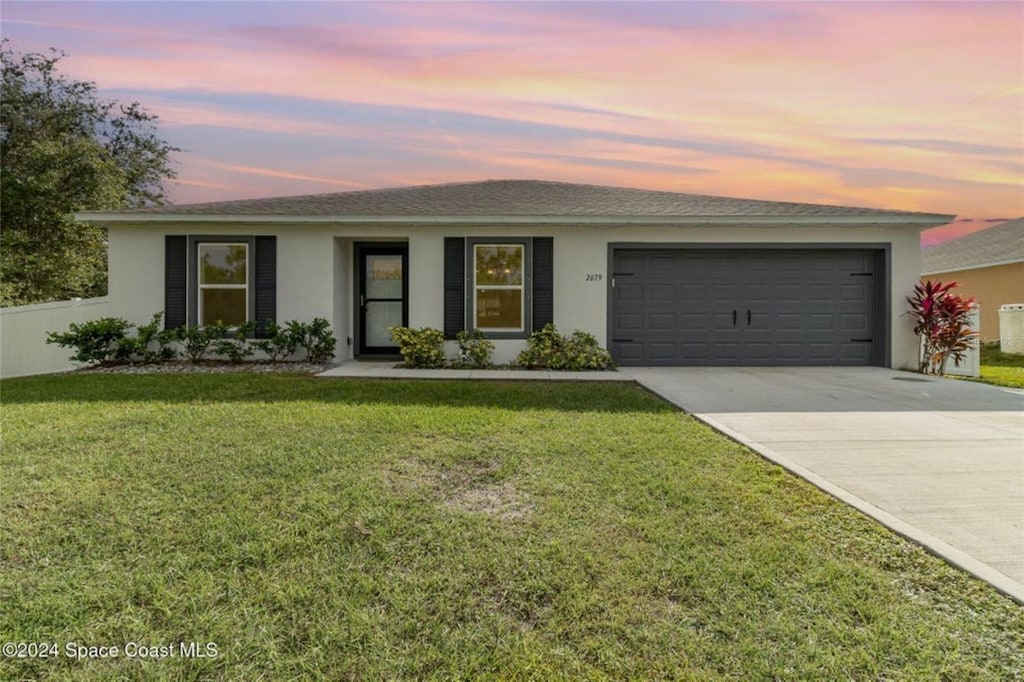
pixel 914 106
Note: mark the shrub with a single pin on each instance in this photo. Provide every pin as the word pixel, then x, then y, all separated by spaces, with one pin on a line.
pixel 233 344
pixel 541 348
pixel 107 339
pixel 94 342
pixel 196 341
pixel 942 320
pixel 278 344
pixel 582 352
pixel 475 350
pixel 142 346
pixel 316 338
pixel 547 349
pixel 420 348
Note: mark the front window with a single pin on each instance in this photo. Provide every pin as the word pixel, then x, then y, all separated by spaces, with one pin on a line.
pixel 498 299
pixel 223 283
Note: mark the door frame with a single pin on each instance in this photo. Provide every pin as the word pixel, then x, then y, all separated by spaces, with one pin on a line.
pixel 361 251
pixel 881 351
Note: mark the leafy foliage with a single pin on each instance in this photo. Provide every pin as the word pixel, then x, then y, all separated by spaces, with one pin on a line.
pixel 315 337
pixel 278 344
pixel 942 320
pixel 150 343
pixel 475 350
pixel 547 349
pixel 420 348
pixel 108 340
pixel 196 341
pixel 543 347
pixel 97 341
pixel 234 344
pixel 63 149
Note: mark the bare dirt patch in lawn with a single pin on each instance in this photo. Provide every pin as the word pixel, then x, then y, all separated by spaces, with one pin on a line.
pixel 467 485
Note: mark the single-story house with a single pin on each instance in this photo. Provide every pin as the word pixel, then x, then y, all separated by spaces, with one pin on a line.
pixel 988 265
pixel 660 278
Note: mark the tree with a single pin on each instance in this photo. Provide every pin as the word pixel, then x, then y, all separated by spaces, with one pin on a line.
pixel 64 149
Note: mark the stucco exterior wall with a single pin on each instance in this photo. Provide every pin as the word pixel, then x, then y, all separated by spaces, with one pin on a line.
pixel 992 287
pixel 135 272
pixel 315 263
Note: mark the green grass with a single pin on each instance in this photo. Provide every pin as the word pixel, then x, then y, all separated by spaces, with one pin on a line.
pixel 449 530
pixel 1002 369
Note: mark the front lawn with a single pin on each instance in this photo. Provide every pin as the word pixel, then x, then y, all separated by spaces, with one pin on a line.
pixel 1002 369
pixel 452 530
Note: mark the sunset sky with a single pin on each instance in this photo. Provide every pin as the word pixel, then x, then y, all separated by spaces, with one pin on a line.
pixel 900 105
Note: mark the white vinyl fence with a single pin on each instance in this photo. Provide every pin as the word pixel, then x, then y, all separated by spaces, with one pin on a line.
pixel 971 365
pixel 23 329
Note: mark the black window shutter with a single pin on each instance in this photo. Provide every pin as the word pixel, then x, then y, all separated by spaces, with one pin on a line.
pixel 454 286
pixel 265 283
pixel 175 281
pixel 543 281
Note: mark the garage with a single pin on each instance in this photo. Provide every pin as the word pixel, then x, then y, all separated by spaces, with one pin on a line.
pixel 758 307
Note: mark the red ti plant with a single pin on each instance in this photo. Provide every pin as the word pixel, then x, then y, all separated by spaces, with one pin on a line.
pixel 942 320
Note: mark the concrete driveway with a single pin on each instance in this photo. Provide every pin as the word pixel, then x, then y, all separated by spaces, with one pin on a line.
pixel 940 461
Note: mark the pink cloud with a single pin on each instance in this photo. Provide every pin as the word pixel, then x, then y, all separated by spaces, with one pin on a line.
pixel 799 85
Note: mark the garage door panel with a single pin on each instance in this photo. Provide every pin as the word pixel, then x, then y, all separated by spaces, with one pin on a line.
pixel 689 321
pixel 662 321
pixel 819 293
pixel 725 351
pixel 629 353
pixel 629 262
pixel 664 261
pixel 693 292
pixel 819 321
pixel 854 322
pixel 805 307
pixel 629 323
pixel 754 294
pixel 629 291
pixel 791 350
pixel 725 292
pixel 661 351
pixel 662 292
pixel 855 353
pixel 820 351
pixel 853 292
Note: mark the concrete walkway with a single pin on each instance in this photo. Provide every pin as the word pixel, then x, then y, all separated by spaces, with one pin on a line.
pixel 939 461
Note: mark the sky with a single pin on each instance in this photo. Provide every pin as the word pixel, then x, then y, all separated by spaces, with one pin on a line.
pixel 898 105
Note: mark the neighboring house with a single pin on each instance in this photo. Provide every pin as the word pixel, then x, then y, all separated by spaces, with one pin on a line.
pixel 988 265
pixel 660 278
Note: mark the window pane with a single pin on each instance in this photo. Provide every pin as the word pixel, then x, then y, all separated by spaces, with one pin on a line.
pixel 499 264
pixel 225 305
pixel 499 309
pixel 222 263
pixel 383 277
pixel 379 316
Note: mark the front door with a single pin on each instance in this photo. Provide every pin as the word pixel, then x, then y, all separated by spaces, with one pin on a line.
pixel 381 296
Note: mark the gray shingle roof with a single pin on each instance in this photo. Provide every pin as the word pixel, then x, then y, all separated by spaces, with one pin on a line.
pixel 997 245
pixel 514 198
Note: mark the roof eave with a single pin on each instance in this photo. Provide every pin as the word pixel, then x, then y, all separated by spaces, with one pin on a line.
pixel 962 268
pixel 920 220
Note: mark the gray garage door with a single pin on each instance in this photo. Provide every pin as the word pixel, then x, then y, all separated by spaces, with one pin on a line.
pixel 732 307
